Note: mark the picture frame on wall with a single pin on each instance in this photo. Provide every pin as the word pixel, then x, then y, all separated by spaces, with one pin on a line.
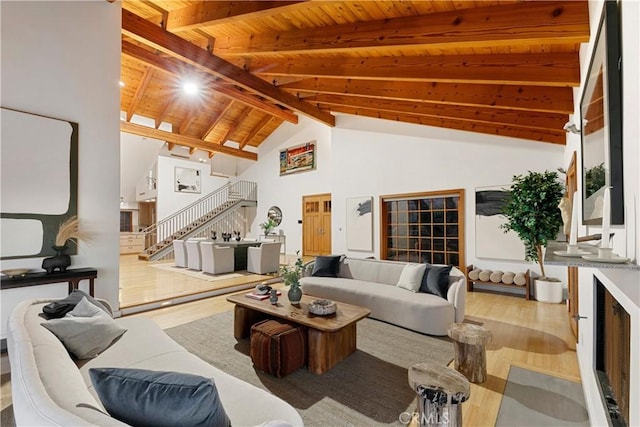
pixel 360 224
pixel 300 158
pixel 187 180
pixel 491 241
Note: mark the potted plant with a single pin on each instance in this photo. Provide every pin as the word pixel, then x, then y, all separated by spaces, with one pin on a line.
pixel 291 275
pixel 268 226
pixel 532 212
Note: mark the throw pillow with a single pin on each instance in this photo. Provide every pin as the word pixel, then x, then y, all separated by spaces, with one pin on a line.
pixel 326 266
pixel 436 280
pixel 86 331
pixel 140 397
pixel 60 308
pixel 411 276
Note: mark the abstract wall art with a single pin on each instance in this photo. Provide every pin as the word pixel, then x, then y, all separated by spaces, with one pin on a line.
pixel 491 240
pixel 360 224
pixel 187 180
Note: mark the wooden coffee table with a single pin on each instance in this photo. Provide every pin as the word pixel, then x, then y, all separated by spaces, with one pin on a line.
pixel 329 338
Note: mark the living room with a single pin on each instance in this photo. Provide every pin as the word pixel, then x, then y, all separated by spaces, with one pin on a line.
pixel 73 75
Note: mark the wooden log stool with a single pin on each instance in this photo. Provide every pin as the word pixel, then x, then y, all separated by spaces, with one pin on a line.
pixel 278 348
pixel 441 391
pixel 469 345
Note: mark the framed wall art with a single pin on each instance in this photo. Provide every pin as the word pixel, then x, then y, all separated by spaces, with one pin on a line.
pixel 360 224
pixel 491 240
pixel 187 180
pixel 300 158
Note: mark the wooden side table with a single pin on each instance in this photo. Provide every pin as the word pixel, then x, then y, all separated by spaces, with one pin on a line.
pixel 441 391
pixel 470 354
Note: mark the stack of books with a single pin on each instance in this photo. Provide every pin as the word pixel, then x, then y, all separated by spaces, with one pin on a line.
pixel 261 297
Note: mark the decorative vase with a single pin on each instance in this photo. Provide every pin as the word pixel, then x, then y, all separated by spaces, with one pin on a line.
pixel 294 294
pixel 58 262
pixel 273 299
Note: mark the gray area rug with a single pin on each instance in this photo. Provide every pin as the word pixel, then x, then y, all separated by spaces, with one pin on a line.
pixel 368 388
pixel 534 399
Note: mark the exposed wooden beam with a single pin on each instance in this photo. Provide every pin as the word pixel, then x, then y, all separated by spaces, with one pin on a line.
pixel 142 87
pixel 187 141
pixel 170 145
pixel 170 101
pixel 189 118
pixel 150 34
pixel 206 13
pixel 255 131
pixel 523 98
pixel 218 116
pixel 178 68
pixel 192 150
pixel 536 22
pixel 234 126
pixel 548 69
pixel 539 120
pixel 554 137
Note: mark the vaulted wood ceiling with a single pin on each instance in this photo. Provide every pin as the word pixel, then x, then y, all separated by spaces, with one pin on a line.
pixel 499 67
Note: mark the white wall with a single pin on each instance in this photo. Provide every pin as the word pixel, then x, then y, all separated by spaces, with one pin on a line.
pixel 62 59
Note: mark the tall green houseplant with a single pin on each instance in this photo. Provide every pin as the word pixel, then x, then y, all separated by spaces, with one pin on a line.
pixel 532 211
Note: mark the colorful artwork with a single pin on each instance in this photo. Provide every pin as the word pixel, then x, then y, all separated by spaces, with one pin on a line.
pixel 360 224
pixel 298 159
pixel 491 240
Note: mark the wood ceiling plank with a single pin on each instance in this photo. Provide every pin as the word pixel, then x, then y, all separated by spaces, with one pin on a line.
pixel 150 34
pixel 255 131
pixel 533 120
pixel 170 102
pixel 137 97
pixel 178 68
pixel 537 22
pixel 552 137
pixel 522 98
pixel 187 141
pixel 556 69
pixel 234 127
pixel 217 117
pixel 205 13
pixel 189 118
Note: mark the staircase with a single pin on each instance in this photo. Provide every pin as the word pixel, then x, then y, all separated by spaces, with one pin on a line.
pixel 198 219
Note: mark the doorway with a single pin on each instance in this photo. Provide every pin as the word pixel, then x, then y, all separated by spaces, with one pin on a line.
pixel 572 272
pixel 316 224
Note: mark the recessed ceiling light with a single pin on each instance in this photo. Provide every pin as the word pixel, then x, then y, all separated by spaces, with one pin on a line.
pixel 190 88
pixel 121 83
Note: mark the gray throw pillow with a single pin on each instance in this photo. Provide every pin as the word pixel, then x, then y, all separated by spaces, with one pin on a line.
pixel 86 331
pixel 140 397
pixel 436 280
pixel 60 308
pixel 326 266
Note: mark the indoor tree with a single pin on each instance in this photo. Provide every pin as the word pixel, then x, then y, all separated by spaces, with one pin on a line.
pixel 532 211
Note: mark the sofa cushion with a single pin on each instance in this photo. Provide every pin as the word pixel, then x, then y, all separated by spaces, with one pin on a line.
pixel 411 276
pixel 326 266
pixel 436 280
pixel 86 330
pixel 142 397
pixel 60 308
pixel 371 270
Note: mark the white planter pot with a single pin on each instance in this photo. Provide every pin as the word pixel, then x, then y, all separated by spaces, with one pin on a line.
pixel 547 291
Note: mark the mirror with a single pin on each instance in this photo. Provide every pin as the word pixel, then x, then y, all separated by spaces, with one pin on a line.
pixel 601 114
pixel 274 213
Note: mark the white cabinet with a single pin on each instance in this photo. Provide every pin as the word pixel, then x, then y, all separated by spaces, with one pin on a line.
pixel 131 243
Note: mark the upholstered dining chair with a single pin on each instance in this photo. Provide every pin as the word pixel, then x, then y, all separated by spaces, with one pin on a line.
pixel 216 259
pixel 264 258
pixel 194 259
pixel 180 253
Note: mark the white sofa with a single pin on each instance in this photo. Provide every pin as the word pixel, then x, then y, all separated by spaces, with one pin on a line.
pixel 49 388
pixel 372 284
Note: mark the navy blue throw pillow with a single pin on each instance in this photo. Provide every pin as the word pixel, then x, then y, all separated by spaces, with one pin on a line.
pixel 140 397
pixel 326 266
pixel 436 280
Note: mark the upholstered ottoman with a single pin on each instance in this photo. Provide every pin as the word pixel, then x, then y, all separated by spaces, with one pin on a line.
pixel 278 348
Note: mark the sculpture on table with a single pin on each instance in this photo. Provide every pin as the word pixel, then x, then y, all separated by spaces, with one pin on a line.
pixel 214 235
pixel 69 231
pixel 237 235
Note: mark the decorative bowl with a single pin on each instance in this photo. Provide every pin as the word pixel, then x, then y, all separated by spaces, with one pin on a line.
pixel 263 289
pixel 15 272
pixel 322 307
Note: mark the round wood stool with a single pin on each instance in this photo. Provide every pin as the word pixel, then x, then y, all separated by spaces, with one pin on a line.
pixel 441 391
pixel 470 355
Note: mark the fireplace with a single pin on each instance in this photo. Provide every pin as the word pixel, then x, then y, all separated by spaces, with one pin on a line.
pixel 612 354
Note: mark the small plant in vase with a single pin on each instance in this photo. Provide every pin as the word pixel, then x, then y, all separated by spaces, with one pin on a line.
pixel 291 275
pixel 268 226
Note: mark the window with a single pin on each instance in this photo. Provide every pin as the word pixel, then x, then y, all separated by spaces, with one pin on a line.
pixel 424 227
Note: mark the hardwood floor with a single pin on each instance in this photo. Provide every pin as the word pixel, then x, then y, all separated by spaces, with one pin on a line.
pixel 529 334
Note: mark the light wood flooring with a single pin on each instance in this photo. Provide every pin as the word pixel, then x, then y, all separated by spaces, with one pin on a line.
pixel 527 334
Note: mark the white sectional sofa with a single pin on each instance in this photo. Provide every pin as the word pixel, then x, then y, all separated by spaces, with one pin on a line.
pixel 50 388
pixel 372 284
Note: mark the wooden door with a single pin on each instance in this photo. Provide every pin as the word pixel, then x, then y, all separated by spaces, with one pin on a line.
pixel 316 225
pixel 572 272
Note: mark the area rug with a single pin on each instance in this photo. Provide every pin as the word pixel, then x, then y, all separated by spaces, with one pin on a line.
pixel 368 388
pixel 535 399
pixel 210 277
